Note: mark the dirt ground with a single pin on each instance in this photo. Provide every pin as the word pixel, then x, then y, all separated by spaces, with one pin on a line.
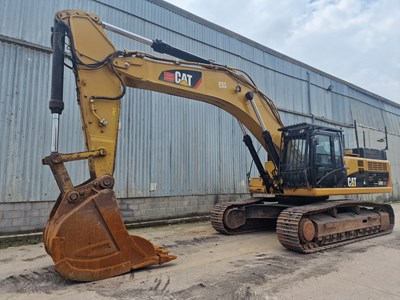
pixel 215 266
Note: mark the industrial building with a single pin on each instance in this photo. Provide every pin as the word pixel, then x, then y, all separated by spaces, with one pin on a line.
pixel 176 158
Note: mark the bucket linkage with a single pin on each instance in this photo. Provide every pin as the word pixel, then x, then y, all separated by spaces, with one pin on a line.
pixel 85 234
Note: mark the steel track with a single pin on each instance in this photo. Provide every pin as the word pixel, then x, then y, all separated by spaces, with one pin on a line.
pixel 288 222
pixel 288 231
pixel 218 211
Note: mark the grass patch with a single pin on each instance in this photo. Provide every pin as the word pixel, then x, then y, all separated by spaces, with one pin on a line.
pixel 19 241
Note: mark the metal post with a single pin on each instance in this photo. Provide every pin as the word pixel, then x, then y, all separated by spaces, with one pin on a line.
pixel 309 96
pixel 386 139
pixel 364 139
pixel 356 132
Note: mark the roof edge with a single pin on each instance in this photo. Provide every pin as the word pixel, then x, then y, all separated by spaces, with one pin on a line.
pixel 255 44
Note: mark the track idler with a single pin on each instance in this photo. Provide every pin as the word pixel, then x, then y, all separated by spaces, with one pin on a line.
pixel 87 239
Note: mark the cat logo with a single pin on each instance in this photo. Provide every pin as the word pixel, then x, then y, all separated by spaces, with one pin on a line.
pixel 190 79
pixel 352 182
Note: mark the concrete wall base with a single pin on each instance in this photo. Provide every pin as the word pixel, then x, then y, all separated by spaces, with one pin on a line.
pixel 25 217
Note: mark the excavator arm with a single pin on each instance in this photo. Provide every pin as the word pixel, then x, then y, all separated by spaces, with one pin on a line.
pixel 85 234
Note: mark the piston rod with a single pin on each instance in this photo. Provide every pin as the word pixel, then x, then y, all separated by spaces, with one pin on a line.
pixel 55 132
pixel 250 97
pixel 127 34
pixel 157 45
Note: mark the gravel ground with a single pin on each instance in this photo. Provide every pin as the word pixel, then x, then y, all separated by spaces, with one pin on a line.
pixel 215 266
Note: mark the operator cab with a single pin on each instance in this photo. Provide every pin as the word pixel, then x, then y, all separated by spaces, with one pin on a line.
pixel 312 156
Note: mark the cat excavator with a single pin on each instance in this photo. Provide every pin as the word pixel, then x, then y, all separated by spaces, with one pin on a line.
pixel 85 234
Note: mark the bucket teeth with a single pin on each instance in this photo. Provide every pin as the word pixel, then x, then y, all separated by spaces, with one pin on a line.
pixel 164 255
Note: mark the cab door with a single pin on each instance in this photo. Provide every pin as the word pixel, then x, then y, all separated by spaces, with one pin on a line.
pixel 327 157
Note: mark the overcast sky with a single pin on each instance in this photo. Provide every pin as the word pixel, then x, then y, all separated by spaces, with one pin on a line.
pixel 355 40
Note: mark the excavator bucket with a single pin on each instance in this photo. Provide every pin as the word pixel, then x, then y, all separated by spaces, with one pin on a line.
pixel 87 239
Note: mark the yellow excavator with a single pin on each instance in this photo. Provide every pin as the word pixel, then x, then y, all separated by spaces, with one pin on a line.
pixel 85 234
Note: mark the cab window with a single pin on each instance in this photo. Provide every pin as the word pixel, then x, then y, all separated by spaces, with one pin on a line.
pixel 323 153
pixel 328 155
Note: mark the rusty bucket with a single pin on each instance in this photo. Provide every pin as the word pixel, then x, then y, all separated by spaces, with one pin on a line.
pixel 87 239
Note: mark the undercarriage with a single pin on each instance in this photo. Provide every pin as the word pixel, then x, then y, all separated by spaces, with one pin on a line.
pixel 306 228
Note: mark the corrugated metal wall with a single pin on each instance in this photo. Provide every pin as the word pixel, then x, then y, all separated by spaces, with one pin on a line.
pixel 181 147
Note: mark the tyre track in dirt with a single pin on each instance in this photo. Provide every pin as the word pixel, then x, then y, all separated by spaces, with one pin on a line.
pixel 214 266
